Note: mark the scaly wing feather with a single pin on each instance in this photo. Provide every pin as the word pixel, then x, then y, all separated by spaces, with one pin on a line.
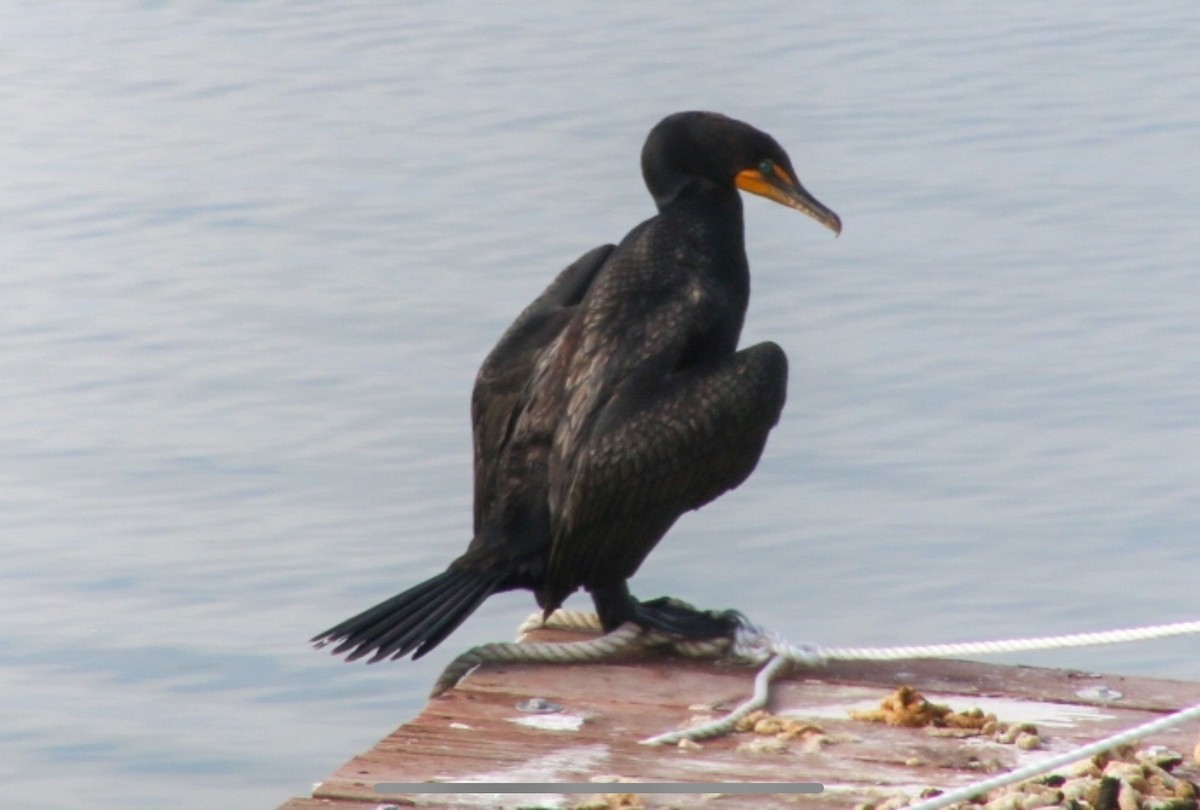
pixel 500 391
pixel 662 446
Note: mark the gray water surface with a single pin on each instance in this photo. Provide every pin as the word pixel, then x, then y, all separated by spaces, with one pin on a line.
pixel 252 254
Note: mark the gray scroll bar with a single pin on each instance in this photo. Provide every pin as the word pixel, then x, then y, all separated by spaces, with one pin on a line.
pixel 600 787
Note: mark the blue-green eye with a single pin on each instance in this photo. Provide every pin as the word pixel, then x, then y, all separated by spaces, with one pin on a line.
pixel 766 168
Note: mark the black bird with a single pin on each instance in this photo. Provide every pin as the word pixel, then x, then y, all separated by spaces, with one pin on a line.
pixel 616 402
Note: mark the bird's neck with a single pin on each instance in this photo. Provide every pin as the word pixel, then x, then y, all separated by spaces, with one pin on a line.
pixel 719 208
pixel 714 216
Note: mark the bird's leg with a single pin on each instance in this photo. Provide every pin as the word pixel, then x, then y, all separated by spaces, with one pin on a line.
pixel 615 606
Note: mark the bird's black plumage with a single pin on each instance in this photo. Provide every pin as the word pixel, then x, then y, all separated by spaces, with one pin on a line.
pixel 617 401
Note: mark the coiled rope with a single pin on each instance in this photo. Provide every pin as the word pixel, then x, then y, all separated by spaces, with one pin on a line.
pixel 755 645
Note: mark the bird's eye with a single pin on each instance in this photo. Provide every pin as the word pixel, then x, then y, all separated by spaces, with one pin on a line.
pixel 766 168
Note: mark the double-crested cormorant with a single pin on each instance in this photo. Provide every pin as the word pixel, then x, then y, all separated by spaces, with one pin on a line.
pixel 616 402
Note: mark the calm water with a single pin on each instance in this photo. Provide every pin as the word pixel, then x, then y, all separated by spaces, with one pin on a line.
pixel 253 255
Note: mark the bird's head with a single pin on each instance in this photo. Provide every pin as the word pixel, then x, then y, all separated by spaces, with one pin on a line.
pixel 690 147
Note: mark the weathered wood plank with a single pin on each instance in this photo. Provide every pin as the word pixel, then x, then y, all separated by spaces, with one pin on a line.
pixel 476 732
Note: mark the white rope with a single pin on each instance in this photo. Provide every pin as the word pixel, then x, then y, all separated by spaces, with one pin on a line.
pixel 1058 761
pixel 758 646
pixel 726 724
pixel 1005 645
pixel 563 652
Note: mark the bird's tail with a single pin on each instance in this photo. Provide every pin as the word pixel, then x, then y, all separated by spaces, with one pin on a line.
pixel 420 618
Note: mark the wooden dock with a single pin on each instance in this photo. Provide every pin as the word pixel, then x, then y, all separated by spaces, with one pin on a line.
pixel 593 717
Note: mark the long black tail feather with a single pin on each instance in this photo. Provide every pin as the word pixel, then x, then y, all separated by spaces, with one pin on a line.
pixel 418 619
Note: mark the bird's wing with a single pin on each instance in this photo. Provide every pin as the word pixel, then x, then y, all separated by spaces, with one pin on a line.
pixel 664 443
pixel 500 385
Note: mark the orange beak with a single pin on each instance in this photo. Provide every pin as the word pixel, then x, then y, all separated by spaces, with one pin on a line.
pixel 784 189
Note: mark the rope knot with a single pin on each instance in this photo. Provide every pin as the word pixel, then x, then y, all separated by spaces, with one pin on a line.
pixel 756 645
pixel 752 643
